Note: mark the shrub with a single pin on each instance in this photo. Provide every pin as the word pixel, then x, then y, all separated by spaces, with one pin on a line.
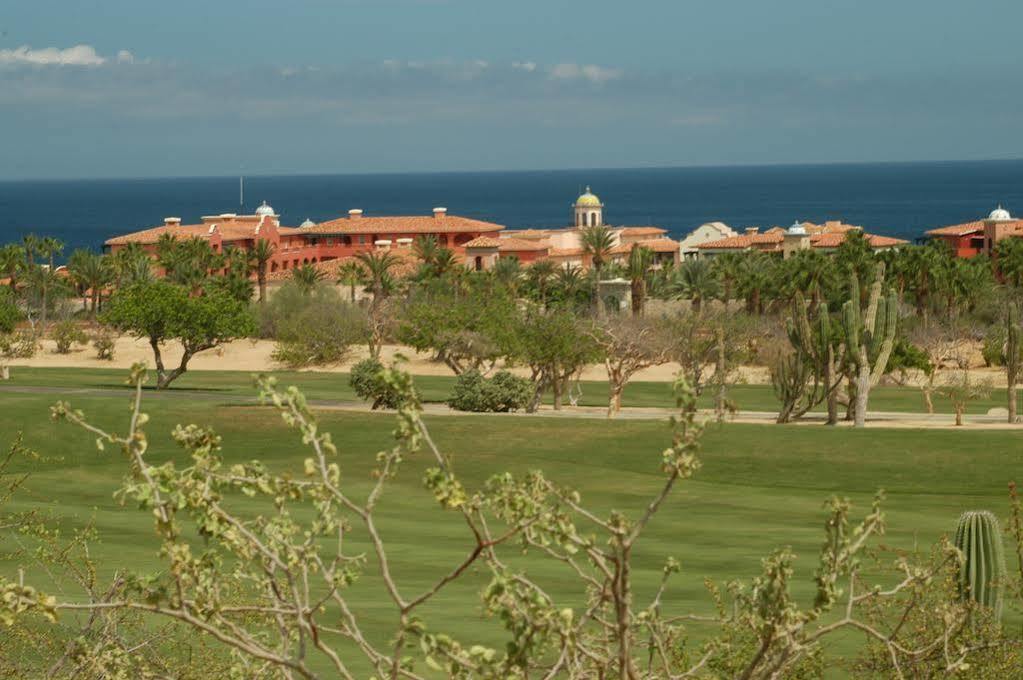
pixel 367 379
pixel 19 345
pixel 104 341
pixel 66 334
pixel 993 350
pixel 311 328
pixel 504 392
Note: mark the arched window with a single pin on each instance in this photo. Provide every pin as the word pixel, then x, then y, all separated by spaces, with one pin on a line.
pixel 593 219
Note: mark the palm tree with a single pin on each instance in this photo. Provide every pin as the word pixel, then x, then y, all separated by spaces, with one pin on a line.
pixel 597 243
pixel 262 252
pixel 30 245
pixel 570 282
pixel 807 271
pixel 131 264
pixel 696 281
pixel 444 262
pixel 12 263
pixel 640 259
pixel 539 275
pixel 306 277
pixel 350 273
pixel 426 248
pixel 1009 260
pixel 91 273
pixel 45 282
pixel 507 272
pixel 728 267
pixel 50 247
pixel 377 266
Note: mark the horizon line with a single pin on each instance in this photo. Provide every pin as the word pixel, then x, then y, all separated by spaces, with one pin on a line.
pixel 698 166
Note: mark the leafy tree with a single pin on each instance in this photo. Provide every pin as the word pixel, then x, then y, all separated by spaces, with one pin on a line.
pixel 162 312
pixel 960 389
pixel 556 344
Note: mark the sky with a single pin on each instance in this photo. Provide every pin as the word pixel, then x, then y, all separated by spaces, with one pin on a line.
pixel 123 88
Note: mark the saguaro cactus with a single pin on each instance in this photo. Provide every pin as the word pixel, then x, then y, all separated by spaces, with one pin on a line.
pixel 805 378
pixel 1012 357
pixel 869 337
pixel 982 574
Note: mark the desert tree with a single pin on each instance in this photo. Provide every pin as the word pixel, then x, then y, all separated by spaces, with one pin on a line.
pixel 869 337
pixel 628 345
pixel 161 312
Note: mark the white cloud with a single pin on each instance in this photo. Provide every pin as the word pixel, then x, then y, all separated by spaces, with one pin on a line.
pixel 591 72
pixel 527 66
pixel 125 57
pixel 79 55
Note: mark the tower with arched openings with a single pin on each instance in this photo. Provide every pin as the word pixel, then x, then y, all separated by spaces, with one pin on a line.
pixel 589 211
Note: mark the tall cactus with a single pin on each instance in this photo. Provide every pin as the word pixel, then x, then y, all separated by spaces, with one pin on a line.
pixel 806 377
pixel 1012 357
pixel 869 337
pixel 983 572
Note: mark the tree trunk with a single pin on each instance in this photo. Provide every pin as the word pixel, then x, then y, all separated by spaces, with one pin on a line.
pixel 832 386
pixel 556 387
pixel 262 284
pixel 862 393
pixel 959 416
pixel 1011 374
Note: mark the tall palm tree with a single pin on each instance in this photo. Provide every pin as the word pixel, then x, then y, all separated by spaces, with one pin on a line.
pixel 808 271
pixel 1009 261
pixel 45 283
pixel 262 252
pixel 640 259
pixel 597 243
pixel 30 244
pixel 696 281
pixel 728 267
pixel 50 247
pixel 570 282
pixel 131 264
pixel 306 277
pixel 377 266
pixel 91 273
pixel 756 276
pixel 350 273
pixel 426 248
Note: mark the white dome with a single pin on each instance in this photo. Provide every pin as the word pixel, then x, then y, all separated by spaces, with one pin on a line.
pixel 308 223
pixel 265 210
pixel 999 214
pixel 797 229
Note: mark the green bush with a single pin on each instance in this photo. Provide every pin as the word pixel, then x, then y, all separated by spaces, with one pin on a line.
pixel 501 393
pixel 993 350
pixel 313 328
pixel 21 344
pixel 66 334
pixel 104 341
pixel 368 382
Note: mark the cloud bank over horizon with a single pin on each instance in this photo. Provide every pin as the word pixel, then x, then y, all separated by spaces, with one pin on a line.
pixel 80 112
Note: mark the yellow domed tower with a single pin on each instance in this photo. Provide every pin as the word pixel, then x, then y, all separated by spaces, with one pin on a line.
pixel 589 211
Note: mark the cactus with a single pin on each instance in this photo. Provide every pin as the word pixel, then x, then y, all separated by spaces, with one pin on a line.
pixel 1012 357
pixel 869 337
pixel 805 378
pixel 982 572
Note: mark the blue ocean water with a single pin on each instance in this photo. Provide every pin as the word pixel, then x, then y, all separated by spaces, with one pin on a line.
pixel 898 199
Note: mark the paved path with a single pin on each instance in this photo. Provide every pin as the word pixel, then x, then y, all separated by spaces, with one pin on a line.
pixel 877 418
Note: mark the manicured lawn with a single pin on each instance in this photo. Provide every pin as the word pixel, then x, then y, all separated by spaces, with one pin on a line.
pixel 236 385
pixel 761 486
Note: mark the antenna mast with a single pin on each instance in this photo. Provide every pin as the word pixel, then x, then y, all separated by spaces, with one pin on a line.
pixel 241 191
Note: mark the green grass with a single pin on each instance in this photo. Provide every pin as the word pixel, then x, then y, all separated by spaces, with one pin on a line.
pixel 761 486
pixel 237 385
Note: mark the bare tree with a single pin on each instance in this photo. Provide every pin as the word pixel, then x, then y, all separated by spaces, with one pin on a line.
pixel 628 345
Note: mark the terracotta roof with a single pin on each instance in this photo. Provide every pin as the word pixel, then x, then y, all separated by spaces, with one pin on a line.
pixel 564 252
pixel 484 242
pixel 523 244
pixel 407 265
pixel 658 245
pixel 229 231
pixel 835 240
pixel 642 231
pixel 413 224
pixel 971 228
pixel 743 241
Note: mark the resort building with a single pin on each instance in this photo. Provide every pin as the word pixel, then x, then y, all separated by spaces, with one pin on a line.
pixel 312 243
pixel 705 233
pixel 563 245
pixel 800 236
pixel 981 236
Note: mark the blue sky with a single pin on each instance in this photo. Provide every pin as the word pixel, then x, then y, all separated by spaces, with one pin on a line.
pixel 118 88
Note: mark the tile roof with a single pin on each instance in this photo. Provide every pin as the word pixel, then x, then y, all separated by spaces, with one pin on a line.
pixel 564 252
pixel 658 245
pixel 412 224
pixel 642 231
pixel 523 244
pixel 743 241
pixel 971 228
pixel 484 242
pixel 774 238
pixel 835 240
pixel 230 230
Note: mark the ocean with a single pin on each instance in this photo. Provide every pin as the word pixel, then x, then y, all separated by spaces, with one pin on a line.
pixel 895 199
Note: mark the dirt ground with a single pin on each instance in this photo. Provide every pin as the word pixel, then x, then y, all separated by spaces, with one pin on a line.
pixel 255 355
